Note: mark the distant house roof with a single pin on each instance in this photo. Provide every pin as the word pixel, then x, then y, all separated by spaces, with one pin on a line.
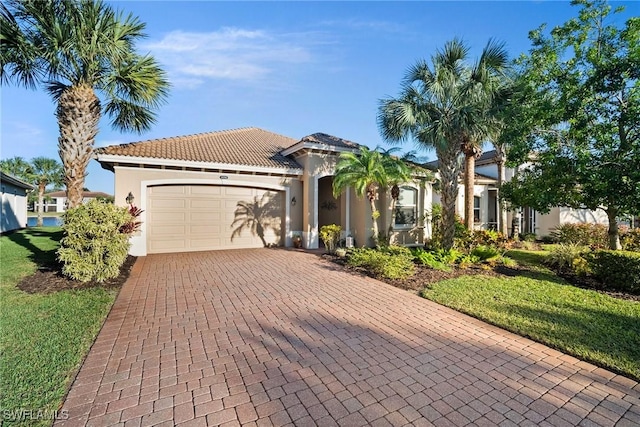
pixel 5 177
pixel 85 194
pixel 245 146
pixel 486 157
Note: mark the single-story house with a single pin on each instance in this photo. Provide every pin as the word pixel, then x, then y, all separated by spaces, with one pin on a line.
pixel 14 202
pixel 56 201
pixel 532 221
pixel 249 187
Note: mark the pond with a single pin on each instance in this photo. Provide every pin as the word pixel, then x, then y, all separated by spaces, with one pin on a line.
pixel 49 221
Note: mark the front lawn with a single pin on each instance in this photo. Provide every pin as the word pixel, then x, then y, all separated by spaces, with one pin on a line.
pixel 43 337
pixel 586 324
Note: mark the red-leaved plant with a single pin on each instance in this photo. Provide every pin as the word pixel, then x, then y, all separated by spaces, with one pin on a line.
pixel 133 225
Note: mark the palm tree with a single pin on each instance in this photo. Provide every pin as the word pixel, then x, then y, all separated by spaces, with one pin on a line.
pixel 366 173
pixel 45 171
pixel 255 216
pixel 446 107
pixel 78 50
pixel 18 167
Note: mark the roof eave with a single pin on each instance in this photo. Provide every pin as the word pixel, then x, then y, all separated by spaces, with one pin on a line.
pixel 114 158
pixel 302 145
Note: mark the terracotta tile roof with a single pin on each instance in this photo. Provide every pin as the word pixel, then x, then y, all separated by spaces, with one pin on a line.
pixel 245 146
pixel 323 138
pixel 85 194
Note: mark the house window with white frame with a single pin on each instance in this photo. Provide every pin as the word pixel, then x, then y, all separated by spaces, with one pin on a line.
pixel 407 208
pixel 476 209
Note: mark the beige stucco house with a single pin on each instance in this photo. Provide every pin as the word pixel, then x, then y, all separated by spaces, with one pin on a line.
pixel 247 188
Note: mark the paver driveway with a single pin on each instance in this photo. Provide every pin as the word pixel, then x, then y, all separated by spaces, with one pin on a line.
pixel 274 337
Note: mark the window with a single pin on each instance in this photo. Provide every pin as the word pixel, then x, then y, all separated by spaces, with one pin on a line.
pixel 407 207
pixel 476 209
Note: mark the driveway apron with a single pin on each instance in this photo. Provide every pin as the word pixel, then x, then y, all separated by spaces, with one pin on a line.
pixel 283 337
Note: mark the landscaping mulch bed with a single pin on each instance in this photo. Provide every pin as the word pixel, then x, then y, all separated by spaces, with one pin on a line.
pixel 48 279
pixel 424 276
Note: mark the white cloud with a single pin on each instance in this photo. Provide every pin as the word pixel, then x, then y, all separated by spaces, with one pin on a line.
pixel 249 56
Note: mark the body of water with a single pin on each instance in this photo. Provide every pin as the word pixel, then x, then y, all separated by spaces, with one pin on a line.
pixel 50 221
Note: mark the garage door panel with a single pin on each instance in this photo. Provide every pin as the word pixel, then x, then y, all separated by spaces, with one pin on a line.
pixel 167 217
pixel 166 203
pixel 205 190
pixel 199 217
pixel 168 189
pixel 238 191
pixel 204 204
pixel 204 217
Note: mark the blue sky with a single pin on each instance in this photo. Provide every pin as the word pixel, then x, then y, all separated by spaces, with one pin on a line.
pixel 293 68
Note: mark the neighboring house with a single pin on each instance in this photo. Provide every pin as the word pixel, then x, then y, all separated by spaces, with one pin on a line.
pixel 14 202
pixel 56 201
pixel 247 188
pixel 530 220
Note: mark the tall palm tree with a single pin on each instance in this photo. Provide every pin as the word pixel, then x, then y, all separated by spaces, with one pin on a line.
pixel 445 107
pixel 77 50
pixel 366 173
pixel 45 172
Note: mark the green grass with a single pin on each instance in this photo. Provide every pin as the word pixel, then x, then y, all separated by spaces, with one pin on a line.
pixel 589 325
pixel 43 338
pixel 528 258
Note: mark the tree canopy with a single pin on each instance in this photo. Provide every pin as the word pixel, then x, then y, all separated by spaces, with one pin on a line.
pixel 581 132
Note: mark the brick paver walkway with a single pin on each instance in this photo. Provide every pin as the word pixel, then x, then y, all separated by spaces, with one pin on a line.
pixel 277 337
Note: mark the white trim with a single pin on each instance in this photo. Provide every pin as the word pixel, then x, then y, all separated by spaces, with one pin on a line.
pixel 317 146
pixel 139 242
pixel 110 158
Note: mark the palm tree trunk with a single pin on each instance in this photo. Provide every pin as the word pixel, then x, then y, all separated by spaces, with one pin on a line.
pixel 469 183
pixel 374 220
pixel 78 115
pixel 502 212
pixel 449 168
pixel 614 236
pixel 41 188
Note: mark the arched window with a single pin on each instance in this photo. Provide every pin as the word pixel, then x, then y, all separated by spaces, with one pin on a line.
pixel 407 208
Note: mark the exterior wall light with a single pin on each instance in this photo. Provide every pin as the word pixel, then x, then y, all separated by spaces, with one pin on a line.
pixel 293 201
pixel 130 198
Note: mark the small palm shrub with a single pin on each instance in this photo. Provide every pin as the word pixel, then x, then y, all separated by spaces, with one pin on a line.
pixel 393 264
pixel 593 235
pixel 96 240
pixel 568 258
pixel 330 235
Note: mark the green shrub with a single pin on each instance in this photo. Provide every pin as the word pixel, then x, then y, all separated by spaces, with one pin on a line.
pixel 462 237
pixel 631 240
pixel 484 252
pixel 429 259
pixel 94 246
pixel 593 235
pixel 382 264
pixel 564 257
pixel 330 235
pixel 489 238
pixel 528 237
pixel 617 270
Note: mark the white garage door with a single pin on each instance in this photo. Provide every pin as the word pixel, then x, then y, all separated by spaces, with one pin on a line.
pixel 185 218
